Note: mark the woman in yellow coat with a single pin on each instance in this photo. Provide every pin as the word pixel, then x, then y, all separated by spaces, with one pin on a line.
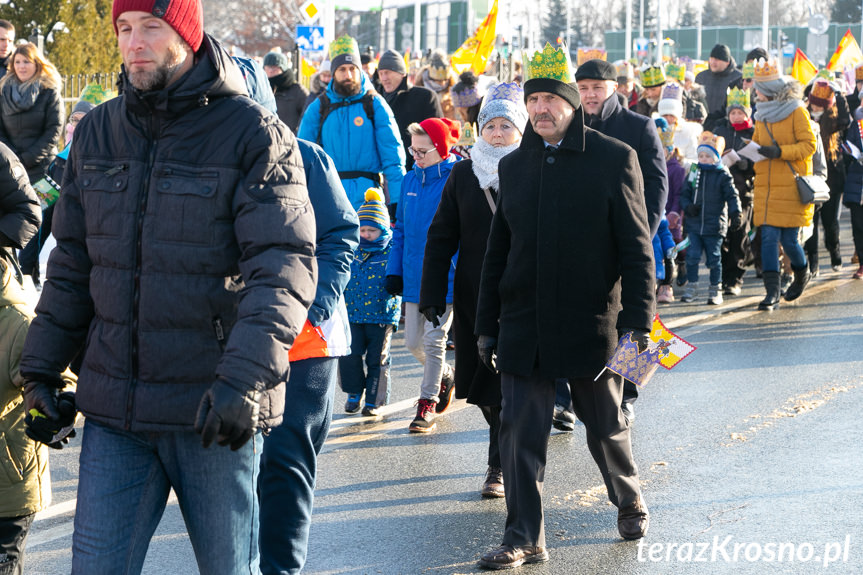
pixel 779 214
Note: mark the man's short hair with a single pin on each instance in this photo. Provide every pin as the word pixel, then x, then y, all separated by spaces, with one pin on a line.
pixel 7 25
pixel 416 130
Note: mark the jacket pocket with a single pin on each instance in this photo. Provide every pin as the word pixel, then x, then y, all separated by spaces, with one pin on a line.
pixel 12 465
pixel 185 206
pixel 102 187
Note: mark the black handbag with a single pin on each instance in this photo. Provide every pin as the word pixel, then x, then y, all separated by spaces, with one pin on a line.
pixel 812 189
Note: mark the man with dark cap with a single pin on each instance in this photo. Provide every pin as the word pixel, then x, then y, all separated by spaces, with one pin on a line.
pixel 290 96
pixel 567 189
pixel 184 270
pixel 717 79
pixel 410 104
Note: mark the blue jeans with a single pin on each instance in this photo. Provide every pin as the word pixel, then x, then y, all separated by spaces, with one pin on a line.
pixel 123 487
pixel 289 465
pixel 771 237
pixel 712 247
pixel 373 340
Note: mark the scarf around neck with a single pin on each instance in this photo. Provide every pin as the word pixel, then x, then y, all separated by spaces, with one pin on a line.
pixel 774 111
pixel 18 97
pixel 486 158
pixel 432 84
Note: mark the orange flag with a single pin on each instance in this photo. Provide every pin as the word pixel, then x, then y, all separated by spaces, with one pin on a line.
pixel 802 69
pixel 475 51
pixel 847 54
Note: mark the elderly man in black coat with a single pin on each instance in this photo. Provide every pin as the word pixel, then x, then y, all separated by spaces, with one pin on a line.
pixel 569 264
pixel 597 84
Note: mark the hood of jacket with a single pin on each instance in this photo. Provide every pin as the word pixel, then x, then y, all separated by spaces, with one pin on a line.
pixel 214 75
pixel 365 85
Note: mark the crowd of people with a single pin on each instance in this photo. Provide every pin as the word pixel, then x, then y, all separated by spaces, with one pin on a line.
pixel 216 290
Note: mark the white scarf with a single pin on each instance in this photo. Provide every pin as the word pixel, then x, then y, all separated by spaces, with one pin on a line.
pixel 486 158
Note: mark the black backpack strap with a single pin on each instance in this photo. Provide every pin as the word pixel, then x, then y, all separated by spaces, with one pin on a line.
pixel 324 112
pixel 368 102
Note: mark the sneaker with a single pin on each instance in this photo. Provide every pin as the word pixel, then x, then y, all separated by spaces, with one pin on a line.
pixel 837 267
pixel 493 484
pixel 563 419
pixel 733 289
pixel 424 421
pixel 371 411
pixel 858 274
pixel 352 405
pixel 714 296
pixel 665 294
pixel 690 293
pixel 447 388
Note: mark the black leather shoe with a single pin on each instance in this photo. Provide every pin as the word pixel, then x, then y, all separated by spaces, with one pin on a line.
pixel 633 520
pixel 508 556
pixel 493 485
pixel 563 419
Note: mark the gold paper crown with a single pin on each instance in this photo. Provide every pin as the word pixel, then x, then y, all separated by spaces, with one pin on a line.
pixel 624 70
pixel 738 97
pixel 748 70
pixel 344 45
pixel 585 54
pixel 667 139
pixel 766 70
pixel 712 140
pixel 96 94
pixel 652 76
pixel 821 90
pixel 675 72
pixel 550 63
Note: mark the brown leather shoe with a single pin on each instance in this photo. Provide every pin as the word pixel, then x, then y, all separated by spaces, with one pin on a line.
pixel 508 556
pixel 493 486
pixel 633 520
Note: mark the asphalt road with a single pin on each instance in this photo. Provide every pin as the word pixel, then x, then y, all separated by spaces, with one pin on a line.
pixel 748 452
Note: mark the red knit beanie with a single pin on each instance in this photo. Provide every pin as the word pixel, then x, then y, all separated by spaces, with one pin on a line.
pixel 444 133
pixel 186 17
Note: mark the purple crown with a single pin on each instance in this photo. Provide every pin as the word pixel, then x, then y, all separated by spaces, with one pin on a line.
pixel 671 91
pixel 512 92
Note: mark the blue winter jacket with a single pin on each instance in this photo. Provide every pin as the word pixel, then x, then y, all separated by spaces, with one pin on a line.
pixel 662 242
pixel 854 177
pixel 365 296
pixel 355 145
pixel 421 195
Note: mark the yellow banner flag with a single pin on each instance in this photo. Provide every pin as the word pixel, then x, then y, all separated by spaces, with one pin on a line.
pixel 475 51
pixel 847 54
pixel 802 69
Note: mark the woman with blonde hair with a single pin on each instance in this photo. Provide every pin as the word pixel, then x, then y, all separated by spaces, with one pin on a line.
pixel 31 120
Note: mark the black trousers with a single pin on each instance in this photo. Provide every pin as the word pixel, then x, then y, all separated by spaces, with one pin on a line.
pixel 13 535
pixel 491 413
pixel 525 424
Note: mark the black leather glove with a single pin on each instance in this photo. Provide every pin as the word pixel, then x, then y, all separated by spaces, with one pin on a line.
pixel 742 164
pixel 431 313
pixel 735 221
pixel 638 336
pixel 228 415
pixel 54 430
pixel 392 210
pixel 693 210
pixel 394 285
pixel 771 152
pixel 487 347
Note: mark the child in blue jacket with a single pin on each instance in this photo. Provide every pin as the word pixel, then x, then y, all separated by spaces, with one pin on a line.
pixel 373 313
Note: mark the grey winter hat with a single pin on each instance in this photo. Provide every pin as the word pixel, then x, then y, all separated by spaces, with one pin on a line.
pixel 82 106
pixel 721 52
pixel 277 59
pixel 392 60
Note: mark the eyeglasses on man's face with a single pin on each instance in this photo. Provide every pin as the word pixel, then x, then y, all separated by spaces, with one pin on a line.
pixel 419 153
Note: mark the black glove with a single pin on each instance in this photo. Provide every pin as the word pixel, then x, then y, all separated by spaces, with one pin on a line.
pixel 771 152
pixel 693 210
pixel 53 430
pixel 487 347
pixel 392 210
pixel 431 313
pixel 742 164
pixel 228 415
pixel 736 221
pixel 638 336
pixel 394 285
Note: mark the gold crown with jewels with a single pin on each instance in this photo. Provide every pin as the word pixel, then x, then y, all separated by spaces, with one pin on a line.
pixel 550 63
pixel 766 70
pixel 675 72
pixel 652 76
pixel 585 54
pixel 738 97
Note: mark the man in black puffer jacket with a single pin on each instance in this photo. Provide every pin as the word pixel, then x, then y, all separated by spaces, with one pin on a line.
pixel 290 96
pixel 20 214
pixel 185 267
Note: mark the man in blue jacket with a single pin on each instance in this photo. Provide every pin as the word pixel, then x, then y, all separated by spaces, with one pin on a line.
pixel 356 127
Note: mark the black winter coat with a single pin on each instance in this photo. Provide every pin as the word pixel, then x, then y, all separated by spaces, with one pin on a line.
pixel 412 105
pixel 33 133
pixel 461 224
pixel 290 99
pixel 569 244
pixel 181 257
pixel 743 172
pixel 20 214
pixel 716 86
pixel 713 191
pixel 640 134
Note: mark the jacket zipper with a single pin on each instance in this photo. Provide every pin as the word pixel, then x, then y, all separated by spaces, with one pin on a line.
pixel 136 294
pixel 220 332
